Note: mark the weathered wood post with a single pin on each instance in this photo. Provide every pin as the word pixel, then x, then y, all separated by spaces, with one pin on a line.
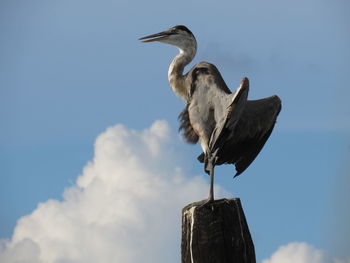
pixel 216 233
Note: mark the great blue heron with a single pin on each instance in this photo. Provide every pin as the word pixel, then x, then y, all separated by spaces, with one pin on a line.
pixel 230 128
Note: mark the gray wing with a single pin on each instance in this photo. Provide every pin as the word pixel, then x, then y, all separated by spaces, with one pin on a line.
pixel 240 143
pixel 233 113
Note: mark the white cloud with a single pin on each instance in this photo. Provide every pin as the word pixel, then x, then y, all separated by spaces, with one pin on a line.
pixel 125 207
pixel 297 253
pixel 300 252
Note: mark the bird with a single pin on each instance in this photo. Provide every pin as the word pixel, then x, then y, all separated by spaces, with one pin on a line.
pixel 230 128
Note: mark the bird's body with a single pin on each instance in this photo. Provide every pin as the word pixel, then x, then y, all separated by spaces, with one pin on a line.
pixel 230 128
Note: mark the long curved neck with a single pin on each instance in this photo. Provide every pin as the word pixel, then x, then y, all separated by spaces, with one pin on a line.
pixel 175 73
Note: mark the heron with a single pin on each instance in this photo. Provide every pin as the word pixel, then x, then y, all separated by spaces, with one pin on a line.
pixel 230 128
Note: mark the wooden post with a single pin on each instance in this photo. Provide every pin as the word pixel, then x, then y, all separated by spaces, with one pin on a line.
pixel 216 233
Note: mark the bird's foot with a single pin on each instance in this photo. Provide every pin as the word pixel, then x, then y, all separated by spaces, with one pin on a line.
pixel 208 202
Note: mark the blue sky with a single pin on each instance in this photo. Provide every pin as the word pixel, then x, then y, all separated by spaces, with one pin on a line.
pixel 70 69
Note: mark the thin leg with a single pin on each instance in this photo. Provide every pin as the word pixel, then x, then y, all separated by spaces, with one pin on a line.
pixel 211 191
pixel 209 164
pixel 211 173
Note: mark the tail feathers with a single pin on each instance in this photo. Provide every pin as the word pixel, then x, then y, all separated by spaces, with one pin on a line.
pixel 201 158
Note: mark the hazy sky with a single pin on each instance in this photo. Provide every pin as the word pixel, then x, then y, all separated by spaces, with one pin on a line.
pixel 69 70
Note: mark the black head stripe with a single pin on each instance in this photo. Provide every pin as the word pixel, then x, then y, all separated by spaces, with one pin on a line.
pixel 183 28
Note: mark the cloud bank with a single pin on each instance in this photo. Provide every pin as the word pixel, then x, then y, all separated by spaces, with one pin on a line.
pixel 300 252
pixel 125 207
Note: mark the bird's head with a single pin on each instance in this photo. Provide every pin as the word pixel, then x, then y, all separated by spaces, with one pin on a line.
pixel 179 36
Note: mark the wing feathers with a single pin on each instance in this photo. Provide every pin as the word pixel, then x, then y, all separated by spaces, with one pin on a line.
pixel 186 128
pixel 252 131
pixel 239 144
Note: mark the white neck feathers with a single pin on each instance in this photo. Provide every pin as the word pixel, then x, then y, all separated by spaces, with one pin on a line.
pixel 175 72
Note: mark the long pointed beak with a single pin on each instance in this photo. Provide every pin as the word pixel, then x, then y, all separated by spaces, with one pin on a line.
pixel 156 37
